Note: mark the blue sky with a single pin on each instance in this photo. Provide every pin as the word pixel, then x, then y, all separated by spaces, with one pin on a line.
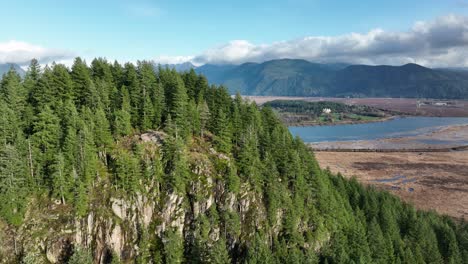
pixel 151 29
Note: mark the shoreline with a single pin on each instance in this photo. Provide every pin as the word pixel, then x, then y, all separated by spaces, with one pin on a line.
pixel 448 138
pixel 346 122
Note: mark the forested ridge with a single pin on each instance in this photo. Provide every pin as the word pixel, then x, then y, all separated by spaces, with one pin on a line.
pixel 111 163
pixel 295 77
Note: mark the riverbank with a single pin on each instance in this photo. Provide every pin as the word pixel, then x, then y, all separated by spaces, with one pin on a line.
pixel 345 122
pixel 409 106
pixel 445 137
pixel 429 170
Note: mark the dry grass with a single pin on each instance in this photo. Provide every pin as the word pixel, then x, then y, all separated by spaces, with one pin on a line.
pixel 439 180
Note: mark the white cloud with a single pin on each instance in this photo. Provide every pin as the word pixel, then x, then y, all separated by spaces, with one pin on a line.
pixel 441 42
pixel 172 59
pixel 22 52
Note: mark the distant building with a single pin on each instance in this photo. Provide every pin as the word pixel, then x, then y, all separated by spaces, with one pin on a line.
pixel 326 110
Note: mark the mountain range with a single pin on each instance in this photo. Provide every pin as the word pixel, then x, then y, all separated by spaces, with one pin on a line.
pixel 292 77
pixel 5 67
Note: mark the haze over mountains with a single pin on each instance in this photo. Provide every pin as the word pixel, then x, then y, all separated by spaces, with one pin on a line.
pixel 4 68
pixel 293 77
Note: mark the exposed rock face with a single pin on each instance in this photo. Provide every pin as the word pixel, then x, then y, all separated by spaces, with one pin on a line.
pixel 113 223
pixel 153 136
pixel 172 215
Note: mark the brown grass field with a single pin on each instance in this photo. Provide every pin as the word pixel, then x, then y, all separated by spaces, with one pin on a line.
pixel 439 180
pixel 429 180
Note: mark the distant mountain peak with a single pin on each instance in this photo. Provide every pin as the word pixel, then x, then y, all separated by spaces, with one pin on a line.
pixel 414 66
pixel 180 67
pixel 296 77
pixel 5 67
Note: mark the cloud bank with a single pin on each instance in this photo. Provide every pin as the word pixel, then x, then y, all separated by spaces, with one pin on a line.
pixel 22 52
pixel 438 43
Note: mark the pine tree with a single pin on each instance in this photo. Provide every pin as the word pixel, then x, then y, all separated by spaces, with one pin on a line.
pixel 176 97
pixel 377 243
pixel 9 124
pixel 122 122
pixel 59 181
pixel 117 74
pixel 193 118
pixel 190 81
pixel 222 131
pixel 148 83
pixel 12 91
pixel 81 256
pixel 13 188
pixel 46 131
pixel 173 247
pixel 259 251
pixel 159 104
pixel 32 78
pixel 135 93
pixel 175 163
pixel 219 253
pixel 42 93
pixel 84 91
pixel 204 116
pixel 61 83
pixel 80 198
pixel 102 134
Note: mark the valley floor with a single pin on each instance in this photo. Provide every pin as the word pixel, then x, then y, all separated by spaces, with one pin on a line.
pixel 429 180
pixel 441 138
pixel 410 106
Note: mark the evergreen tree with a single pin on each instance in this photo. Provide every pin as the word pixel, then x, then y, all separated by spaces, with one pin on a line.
pixel 204 116
pixel 135 92
pixel 377 243
pixel 175 161
pixel 43 94
pixel 122 123
pixel 61 83
pixel 12 91
pixel 173 247
pixel 45 140
pixel 148 84
pixel 219 253
pixel 84 91
pixel 177 100
pixel 59 181
pixel 81 256
pixel 103 137
pixel 13 188
pixel 223 131
pixel 9 124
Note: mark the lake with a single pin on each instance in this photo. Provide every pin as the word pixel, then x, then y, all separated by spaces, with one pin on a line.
pixel 398 127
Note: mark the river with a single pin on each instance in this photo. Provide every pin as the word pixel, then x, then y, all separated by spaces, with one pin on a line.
pixel 398 127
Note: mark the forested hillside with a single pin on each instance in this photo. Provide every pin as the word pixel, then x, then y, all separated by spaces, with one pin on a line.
pixel 111 163
pixel 303 113
pixel 291 77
